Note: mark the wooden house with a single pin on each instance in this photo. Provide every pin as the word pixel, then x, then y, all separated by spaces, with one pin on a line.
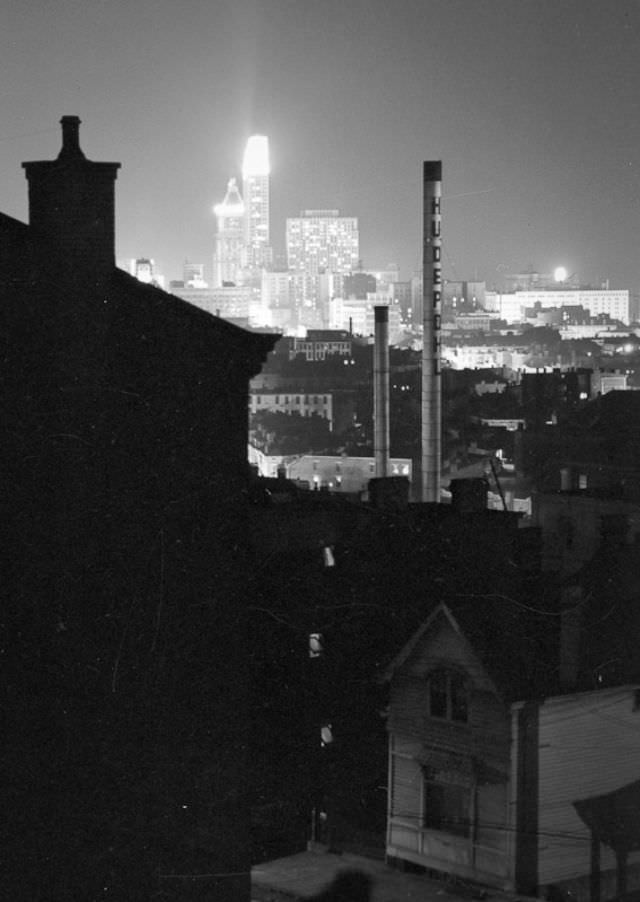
pixel 494 782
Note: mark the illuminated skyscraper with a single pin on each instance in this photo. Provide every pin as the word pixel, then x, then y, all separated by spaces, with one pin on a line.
pixel 255 186
pixel 322 241
pixel 229 247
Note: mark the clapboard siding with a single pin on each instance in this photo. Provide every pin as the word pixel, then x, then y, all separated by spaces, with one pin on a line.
pixel 480 747
pixel 589 745
pixel 406 796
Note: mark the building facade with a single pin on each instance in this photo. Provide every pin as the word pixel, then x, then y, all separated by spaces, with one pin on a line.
pixel 230 238
pixel 512 307
pixel 304 405
pixel 322 241
pixel 228 302
pixel 333 473
pixel 256 179
pixel 534 796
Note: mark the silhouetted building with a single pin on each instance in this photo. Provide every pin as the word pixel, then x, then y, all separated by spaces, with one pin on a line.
pixel 124 460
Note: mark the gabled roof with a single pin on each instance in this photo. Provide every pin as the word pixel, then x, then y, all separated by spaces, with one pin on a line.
pixel 405 652
pixel 515 645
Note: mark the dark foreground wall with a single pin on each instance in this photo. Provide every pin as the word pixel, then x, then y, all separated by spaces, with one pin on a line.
pixel 124 449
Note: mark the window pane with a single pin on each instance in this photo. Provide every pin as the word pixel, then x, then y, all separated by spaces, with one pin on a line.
pixel 438 694
pixel 433 806
pixel 446 808
pixel 459 700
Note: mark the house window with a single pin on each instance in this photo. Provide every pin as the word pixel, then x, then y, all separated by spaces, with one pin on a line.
pixel 446 804
pixel 448 695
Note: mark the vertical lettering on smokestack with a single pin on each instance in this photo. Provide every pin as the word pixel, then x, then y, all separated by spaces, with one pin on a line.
pixel 431 315
pixel 381 391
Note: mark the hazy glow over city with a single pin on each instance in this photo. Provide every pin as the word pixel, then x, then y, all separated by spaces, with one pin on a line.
pixel 530 105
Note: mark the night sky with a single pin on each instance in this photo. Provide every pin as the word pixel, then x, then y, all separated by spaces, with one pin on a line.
pixel 532 105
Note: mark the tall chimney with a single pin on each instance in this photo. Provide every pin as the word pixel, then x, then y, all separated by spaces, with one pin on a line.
pixel 381 391
pixel 72 209
pixel 431 314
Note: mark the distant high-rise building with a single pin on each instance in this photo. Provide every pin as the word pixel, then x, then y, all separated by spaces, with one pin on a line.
pixel 323 241
pixel 193 274
pixel 145 271
pixel 229 246
pixel 255 186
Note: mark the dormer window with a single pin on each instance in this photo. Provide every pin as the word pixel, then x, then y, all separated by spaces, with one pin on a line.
pixel 448 695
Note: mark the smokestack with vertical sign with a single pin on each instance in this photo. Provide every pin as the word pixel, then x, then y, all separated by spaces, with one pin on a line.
pixel 431 315
pixel 381 391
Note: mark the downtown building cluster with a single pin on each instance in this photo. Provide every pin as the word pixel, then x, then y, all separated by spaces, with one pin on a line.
pixel 319 284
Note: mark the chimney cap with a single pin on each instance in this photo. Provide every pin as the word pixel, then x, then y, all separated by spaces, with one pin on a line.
pixel 71 149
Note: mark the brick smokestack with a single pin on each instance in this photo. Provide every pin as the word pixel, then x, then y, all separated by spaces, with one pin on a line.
pixel 72 209
pixel 431 315
pixel 381 391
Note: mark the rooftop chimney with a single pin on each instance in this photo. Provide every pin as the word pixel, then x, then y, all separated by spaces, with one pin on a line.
pixel 70 139
pixel 72 209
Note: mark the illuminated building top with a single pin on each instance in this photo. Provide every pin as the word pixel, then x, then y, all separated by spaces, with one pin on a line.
pixel 232 206
pixel 256 157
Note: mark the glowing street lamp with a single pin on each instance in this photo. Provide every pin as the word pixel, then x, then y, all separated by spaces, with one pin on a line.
pixel 560 274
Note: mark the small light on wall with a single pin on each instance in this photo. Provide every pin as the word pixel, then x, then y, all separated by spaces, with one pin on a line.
pixel 327 556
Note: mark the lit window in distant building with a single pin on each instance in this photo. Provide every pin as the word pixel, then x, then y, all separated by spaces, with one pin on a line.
pixel 582 481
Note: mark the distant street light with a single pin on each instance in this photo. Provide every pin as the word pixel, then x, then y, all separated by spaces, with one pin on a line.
pixel 560 274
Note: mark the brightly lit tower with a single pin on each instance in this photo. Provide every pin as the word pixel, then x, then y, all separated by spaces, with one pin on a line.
pixel 229 247
pixel 255 188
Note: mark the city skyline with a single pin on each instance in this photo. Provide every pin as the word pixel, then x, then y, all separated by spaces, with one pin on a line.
pixel 531 106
